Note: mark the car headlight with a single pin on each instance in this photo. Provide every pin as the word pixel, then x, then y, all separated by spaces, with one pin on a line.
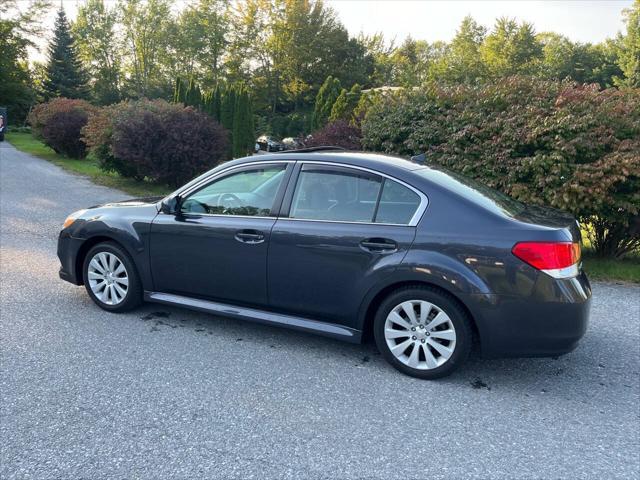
pixel 72 218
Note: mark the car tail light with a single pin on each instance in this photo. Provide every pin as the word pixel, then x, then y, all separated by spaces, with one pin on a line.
pixel 558 259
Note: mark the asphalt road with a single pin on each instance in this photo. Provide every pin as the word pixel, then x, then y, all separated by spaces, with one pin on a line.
pixel 167 393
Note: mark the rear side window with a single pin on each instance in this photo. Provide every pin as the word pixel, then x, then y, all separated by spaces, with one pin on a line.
pixel 345 195
pixel 335 196
pixel 398 203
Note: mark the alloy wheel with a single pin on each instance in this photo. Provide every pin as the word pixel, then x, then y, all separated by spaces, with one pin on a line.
pixel 108 278
pixel 420 334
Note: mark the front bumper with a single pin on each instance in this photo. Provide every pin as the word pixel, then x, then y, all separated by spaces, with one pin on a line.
pixel 68 250
pixel 548 322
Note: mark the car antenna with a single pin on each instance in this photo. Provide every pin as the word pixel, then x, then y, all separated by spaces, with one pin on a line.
pixel 420 159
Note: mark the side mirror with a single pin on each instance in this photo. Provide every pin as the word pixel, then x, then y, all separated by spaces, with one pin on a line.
pixel 171 206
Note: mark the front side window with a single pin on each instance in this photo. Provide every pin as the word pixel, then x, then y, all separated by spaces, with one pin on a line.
pixel 248 193
pixel 335 196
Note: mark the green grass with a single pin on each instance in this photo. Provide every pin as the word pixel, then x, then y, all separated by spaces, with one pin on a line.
pixel 611 269
pixel 87 167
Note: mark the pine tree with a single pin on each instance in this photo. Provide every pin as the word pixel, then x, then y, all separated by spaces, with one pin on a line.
pixel 64 76
pixel 243 139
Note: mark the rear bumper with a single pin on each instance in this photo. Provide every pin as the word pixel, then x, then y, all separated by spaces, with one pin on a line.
pixel 68 248
pixel 549 322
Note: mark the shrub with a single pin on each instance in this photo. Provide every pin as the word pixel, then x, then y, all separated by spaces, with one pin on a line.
pixel 339 133
pixel 58 123
pixel 570 146
pixel 98 136
pixel 163 142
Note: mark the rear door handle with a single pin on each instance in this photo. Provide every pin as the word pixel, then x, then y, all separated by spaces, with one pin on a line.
pixel 250 236
pixel 379 245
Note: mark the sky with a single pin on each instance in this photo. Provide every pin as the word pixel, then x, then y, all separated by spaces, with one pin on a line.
pixel 580 20
pixel 584 21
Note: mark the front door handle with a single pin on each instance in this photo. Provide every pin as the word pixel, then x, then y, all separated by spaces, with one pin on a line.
pixel 250 236
pixel 379 245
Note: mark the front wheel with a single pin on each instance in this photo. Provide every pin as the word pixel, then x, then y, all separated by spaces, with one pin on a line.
pixel 111 278
pixel 422 332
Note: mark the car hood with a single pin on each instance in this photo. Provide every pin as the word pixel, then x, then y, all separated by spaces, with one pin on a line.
pixel 132 202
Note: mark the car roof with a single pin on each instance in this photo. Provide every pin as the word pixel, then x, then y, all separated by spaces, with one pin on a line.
pixel 374 161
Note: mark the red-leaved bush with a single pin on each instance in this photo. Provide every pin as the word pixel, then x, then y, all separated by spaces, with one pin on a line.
pixel 339 133
pixel 573 147
pixel 58 123
pixel 164 142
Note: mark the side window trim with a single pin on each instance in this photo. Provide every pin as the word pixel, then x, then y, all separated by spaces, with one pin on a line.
pixel 301 165
pixel 375 211
pixel 277 202
pixel 285 207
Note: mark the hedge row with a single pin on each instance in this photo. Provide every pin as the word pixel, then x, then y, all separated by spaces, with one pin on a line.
pixel 152 139
pixel 160 141
pixel 570 146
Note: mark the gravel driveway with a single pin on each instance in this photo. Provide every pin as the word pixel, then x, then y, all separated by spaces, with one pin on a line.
pixel 167 393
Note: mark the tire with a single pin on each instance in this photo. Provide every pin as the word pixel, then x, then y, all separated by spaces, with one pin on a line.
pixel 451 332
pixel 113 276
pixel 2 137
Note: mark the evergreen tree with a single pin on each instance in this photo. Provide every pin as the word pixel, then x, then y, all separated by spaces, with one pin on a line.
pixel 345 104
pixel 227 113
pixel 217 103
pixel 327 96
pixel 227 108
pixel 64 74
pixel 207 103
pixel 179 92
pixel 243 135
pixel 193 95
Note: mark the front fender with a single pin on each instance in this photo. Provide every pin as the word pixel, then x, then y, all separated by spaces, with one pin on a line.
pixel 131 231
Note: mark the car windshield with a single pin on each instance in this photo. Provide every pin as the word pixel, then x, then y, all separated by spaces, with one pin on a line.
pixel 473 190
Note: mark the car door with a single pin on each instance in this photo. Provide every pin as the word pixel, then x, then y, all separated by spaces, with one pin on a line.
pixel 336 238
pixel 216 245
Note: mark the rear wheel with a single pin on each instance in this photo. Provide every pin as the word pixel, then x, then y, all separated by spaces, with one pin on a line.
pixel 111 278
pixel 422 332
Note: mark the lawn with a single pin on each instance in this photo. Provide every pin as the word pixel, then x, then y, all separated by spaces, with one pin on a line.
pixel 611 269
pixel 607 269
pixel 88 167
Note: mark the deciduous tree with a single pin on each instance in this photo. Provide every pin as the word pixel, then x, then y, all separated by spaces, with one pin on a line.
pixel 629 56
pixel 98 48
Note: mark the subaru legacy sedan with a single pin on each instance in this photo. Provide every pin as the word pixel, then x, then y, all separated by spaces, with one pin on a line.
pixel 345 245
